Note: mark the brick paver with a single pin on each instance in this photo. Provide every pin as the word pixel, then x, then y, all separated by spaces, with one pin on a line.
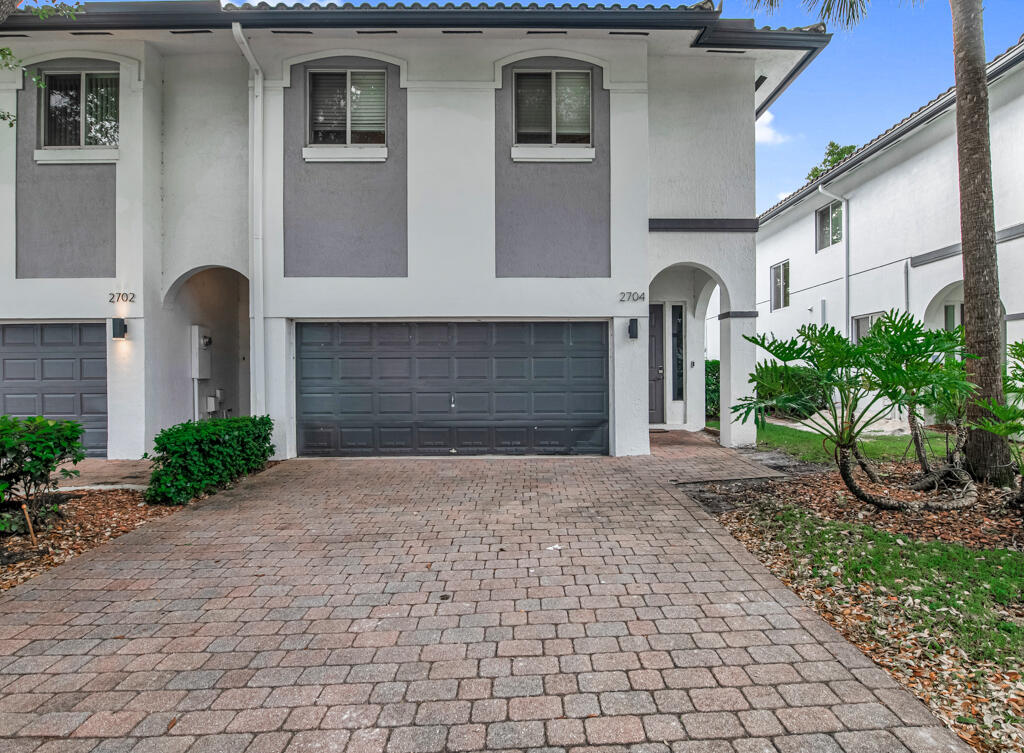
pixel 408 606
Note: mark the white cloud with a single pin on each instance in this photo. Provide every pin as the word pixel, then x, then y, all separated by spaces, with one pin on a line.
pixel 782 195
pixel 765 133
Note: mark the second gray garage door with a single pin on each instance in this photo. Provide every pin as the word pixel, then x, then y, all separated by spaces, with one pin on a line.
pixel 57 370
pixel 452 388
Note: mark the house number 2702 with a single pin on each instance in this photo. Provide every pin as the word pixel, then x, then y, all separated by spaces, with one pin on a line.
pixel 630 296
pixel 122 297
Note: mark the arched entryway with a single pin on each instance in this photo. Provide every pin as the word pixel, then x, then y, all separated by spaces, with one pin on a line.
pixel 204 345
pixel 679 297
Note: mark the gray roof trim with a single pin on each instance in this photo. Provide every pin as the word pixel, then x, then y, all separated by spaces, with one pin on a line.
pixel 1006 234
pixel 708 225
pixel 1004 62
pixel 1014 317
pixel 737 315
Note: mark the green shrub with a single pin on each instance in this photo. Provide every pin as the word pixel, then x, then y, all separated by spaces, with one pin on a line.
pixel 802 380
pixel 712 388
pixel 196 457
pixel 31 449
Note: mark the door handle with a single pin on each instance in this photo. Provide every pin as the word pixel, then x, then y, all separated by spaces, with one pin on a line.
pixel 661 370
pixel 452 394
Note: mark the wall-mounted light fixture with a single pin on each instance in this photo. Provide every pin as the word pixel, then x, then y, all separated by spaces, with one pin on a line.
pixel 119 329
pixel 634 329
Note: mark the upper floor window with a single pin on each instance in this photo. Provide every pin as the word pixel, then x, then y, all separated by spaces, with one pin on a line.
pixel 780 285
pixel 830 225
pixel 80 109
pixel 862 325
pixel 347 107
pixel 552 107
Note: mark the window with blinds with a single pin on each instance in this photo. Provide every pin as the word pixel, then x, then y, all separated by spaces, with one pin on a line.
pixel 80 109
pixel 347 107
pixel 552 107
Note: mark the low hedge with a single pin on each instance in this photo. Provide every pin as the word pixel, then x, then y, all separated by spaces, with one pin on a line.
pixel 712 388
pixel 197 457
pixel 31 449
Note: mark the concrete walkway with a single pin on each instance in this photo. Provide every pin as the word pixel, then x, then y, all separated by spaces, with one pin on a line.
pixel 441 605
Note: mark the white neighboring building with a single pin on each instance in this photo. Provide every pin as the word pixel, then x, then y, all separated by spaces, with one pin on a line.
pixel 898 245
pixel 396 230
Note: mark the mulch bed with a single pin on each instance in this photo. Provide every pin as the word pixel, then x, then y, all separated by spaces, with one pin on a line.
pixel 90 518
pixel 951 685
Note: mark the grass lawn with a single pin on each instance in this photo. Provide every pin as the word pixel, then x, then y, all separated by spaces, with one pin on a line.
pixel 950 594
pixel 808 447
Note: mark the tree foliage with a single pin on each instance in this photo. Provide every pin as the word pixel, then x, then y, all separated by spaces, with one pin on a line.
pixel 43 9
pixel 834 154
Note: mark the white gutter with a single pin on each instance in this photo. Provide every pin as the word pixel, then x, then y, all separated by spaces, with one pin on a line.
pixel 846 247
pixel 257 365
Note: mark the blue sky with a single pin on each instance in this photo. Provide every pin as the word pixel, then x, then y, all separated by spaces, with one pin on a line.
pixel 867 79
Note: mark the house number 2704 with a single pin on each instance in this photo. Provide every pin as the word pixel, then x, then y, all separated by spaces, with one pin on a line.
pixel 629 296
pixel 122 297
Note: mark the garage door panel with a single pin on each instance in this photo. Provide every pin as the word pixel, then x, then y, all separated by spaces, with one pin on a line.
pixel 92 334
pixel 17 369
pixel 59 368
pixel 94 405
pixel 94 369
pixel 463 388
pixel 23 405
pixel 60 405
pixel 19 334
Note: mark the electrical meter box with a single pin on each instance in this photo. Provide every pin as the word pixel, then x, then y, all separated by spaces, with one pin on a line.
pixel 202 351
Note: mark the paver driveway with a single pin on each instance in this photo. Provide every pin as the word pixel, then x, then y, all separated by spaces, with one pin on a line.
pixel 451 604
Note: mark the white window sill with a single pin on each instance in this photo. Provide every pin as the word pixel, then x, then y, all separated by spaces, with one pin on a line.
pixel 99 156
pixel 553 153
pixel 345 153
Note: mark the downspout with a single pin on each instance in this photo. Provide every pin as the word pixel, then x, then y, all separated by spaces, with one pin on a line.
pixel 846 248
pixel 257 370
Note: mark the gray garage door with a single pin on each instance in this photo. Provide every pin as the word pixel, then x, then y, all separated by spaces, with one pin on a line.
pixel 455 388
pixel 57 371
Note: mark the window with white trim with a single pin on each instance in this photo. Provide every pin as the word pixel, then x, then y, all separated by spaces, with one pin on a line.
pixel 829 221
pixel 862 325
pixel 347 107
pixel 780 285
pixel 79 110
pixel 552 108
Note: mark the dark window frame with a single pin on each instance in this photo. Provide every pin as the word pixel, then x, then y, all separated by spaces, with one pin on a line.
pixel 45 113
pixel 310 72
pixel 678 326
pixel 553 72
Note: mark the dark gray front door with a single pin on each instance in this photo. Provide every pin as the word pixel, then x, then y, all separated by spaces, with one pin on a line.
pixel 452 388
pixel 656 365
pixel 59 371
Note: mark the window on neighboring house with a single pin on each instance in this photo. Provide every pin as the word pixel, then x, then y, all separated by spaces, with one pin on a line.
pixel 347 108
pixel 863 324
pixel 552 107
pixel 780 285
pixel 953 316
pixel 830 225
pixel 80 109
pixel 678 354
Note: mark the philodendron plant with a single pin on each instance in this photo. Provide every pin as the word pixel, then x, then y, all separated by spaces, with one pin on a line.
pixel 858 384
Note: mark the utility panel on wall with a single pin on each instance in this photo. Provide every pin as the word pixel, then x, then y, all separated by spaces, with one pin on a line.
pixel 202 351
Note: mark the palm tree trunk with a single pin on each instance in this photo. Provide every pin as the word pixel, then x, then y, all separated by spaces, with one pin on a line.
pixel 988 456
pixel 7 8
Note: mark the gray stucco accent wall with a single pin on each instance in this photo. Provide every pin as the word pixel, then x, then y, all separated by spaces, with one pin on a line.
pixel 65 214
pixel 345 219
pixel 552 219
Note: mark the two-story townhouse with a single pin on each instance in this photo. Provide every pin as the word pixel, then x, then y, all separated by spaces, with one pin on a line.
pixel 396 230
pixel 881 230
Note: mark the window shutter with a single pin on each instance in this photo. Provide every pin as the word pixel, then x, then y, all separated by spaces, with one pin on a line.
pixel 533 108
pixel 369 106
pixel 572 107
pixel 327 106
pixel 63 97
pixel 101 104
